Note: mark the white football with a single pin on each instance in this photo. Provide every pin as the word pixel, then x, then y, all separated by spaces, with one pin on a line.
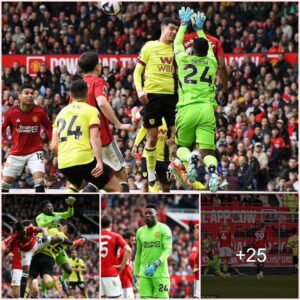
pixel 111 8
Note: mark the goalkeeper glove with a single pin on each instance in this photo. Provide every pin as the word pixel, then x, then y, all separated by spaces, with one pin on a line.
pixel 56 219
pixel 70 200
pixel 150 270
pixel 185 15
pixel 198 20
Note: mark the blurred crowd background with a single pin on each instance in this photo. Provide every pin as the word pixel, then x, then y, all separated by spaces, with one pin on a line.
pixel 257 133
pixel 85 219
pixel 127 213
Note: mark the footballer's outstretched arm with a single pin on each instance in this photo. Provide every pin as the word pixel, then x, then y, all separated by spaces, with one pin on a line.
pixel 110 114
pixel 66 214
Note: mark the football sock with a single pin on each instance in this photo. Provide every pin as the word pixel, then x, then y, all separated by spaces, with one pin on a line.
pixel 151 163
pixel 183 153
pixel 5 187
pixel 39 185
pixel 23 289
pixel 210 160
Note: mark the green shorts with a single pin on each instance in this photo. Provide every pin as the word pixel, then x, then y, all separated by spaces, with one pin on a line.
pixel 62 258
pixel 196 123
pixel 154 287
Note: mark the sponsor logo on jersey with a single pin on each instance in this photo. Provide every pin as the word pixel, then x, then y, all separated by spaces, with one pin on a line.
pixel 152 121
pixel 157 234
pixel 27 129
pixel 152 244
pixel 166 60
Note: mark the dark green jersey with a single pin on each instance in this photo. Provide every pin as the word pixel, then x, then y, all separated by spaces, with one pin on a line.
pixel 197 75
pixel 152 244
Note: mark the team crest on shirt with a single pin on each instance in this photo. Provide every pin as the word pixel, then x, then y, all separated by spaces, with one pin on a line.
pixel 157 234
pixel 35 119
pixel 152 121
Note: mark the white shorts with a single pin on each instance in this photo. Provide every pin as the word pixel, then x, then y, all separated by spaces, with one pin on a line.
pixel 225 252
pixel 16 277
pixel 128 293
pixel 113 157
pixel 27 256
pixel 14 165
pixel 197 289
pixel 111 287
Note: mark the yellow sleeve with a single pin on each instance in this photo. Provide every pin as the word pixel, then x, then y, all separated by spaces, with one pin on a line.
pixel 94 118
pixel 81 264
pixel 140 67
pixel 140 136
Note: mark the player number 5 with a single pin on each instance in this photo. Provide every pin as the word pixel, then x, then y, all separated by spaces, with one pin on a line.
pixel 104 249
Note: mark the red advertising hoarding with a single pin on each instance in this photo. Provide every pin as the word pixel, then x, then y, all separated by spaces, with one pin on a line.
pixel 33 63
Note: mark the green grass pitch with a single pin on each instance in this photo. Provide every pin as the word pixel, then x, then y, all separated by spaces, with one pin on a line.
pixel 250 287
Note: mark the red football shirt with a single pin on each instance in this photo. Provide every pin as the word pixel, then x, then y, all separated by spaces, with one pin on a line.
pixel 110 243
pixel 215 43
pixel 225 238
pixel 26 129
pixel 126 276
pixel 28 243
pixel 16 260
pixel 99 87
pixel 260 238
pixel 194 260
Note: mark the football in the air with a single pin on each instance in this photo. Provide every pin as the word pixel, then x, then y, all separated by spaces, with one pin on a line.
pixel 111 8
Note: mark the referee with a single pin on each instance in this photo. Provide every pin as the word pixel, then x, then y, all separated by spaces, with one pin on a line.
pixel 76 278
pixel 154 79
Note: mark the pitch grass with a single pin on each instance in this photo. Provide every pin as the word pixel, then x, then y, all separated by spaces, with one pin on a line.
pixel 250 287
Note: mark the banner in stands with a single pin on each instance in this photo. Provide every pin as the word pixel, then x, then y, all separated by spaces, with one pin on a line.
pixel 33 62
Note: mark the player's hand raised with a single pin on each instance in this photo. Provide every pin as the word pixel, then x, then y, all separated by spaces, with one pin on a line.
pixel 185 15
pixel 98 170
pixel 134 151
pixel 198 20
pixel 143 97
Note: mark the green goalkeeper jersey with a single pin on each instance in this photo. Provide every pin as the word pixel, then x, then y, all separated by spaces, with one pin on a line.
pixel 152 244
pixel 55 249
pixel 197 75
pixel 45 221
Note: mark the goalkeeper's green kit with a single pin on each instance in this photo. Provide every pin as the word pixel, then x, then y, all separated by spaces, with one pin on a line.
pixel 153 244
pixel 195 120
pixel 45 221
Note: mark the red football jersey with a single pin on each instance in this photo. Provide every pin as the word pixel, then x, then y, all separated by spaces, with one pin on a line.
pixel 28 243
pixel 99 87
pixel 260 238
pixel 110 243
pixel 16 260
pixel 225 238
pixel 194 260
pixel 215 43
pixel 26 129
pixel 126 276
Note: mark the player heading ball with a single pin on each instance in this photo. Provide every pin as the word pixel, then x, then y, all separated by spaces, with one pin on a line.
pixel 154 246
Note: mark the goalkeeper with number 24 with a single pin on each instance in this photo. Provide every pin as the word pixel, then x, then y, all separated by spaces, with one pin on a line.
pixel 50 219
pixel 153 247
pixel 195 119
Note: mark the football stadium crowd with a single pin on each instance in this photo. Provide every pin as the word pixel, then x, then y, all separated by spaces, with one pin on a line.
pixel 89 251
pixel 127 213
pixel 257 131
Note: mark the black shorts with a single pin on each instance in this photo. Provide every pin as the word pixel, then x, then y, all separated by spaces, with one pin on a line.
pixel 77 174
pixel 73 284
pixel 295 260
pixel 160 105
pixel 41 264
pixel 161 170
